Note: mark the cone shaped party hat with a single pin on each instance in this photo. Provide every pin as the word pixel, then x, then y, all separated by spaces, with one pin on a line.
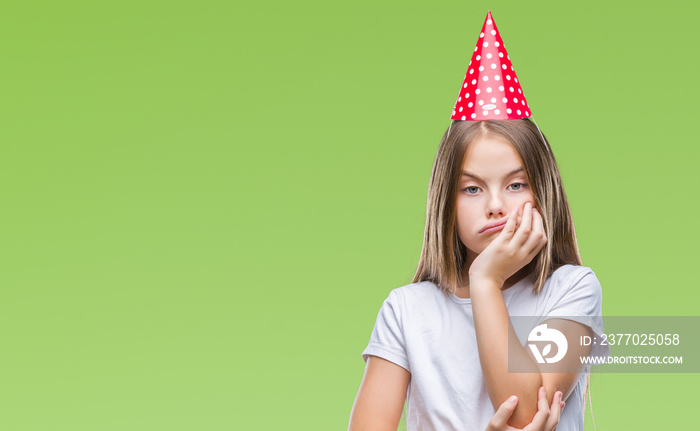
pixel 491 91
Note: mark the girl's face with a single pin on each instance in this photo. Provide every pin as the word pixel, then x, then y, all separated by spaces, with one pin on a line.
pixel 493 183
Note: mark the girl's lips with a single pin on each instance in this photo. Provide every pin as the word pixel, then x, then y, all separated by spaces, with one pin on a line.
pixel 493 227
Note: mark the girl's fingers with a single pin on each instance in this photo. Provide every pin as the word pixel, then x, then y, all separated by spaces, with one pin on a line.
pixel 504 412
pixel 523 232
pixel 542 415
pixel 510 227
pixel 554 412
pixel 537 238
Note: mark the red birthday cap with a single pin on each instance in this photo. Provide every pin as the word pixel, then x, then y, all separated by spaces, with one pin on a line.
pixel 491 90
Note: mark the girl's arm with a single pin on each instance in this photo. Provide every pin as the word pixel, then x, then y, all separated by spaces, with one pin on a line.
pixel 382 394
pixel 509 252
pixel 497 344
pixel 381 397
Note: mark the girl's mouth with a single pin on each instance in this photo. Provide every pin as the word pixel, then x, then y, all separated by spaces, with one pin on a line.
pixel 494 227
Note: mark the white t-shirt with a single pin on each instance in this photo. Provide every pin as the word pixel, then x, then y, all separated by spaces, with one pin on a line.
pixel 431 334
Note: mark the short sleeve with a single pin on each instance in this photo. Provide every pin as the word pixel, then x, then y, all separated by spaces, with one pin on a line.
pixel 387 339
pixel 578 296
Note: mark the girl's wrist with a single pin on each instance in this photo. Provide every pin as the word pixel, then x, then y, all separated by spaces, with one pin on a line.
pixel 478 281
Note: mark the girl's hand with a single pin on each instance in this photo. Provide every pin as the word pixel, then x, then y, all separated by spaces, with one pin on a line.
pixel 516 245
pixel 546 419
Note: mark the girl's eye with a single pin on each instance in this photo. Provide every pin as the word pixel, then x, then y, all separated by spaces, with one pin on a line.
pixel 472 190
pixel 517 186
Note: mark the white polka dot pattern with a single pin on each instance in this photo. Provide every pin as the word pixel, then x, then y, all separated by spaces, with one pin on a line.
pixel 490 61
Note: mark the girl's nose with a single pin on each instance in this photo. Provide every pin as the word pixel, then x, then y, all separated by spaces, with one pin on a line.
pixel 496 207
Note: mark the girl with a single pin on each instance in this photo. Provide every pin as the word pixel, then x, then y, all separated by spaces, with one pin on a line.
pixel 499 241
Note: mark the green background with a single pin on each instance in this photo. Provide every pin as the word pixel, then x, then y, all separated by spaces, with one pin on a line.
pixel 204 204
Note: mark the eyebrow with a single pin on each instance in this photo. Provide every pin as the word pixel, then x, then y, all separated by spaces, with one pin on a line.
pixel 511 173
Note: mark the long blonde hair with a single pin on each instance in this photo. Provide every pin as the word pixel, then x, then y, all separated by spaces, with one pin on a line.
pixel 443 255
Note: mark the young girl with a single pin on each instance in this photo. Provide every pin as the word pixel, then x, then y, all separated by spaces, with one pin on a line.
pixel 499 242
